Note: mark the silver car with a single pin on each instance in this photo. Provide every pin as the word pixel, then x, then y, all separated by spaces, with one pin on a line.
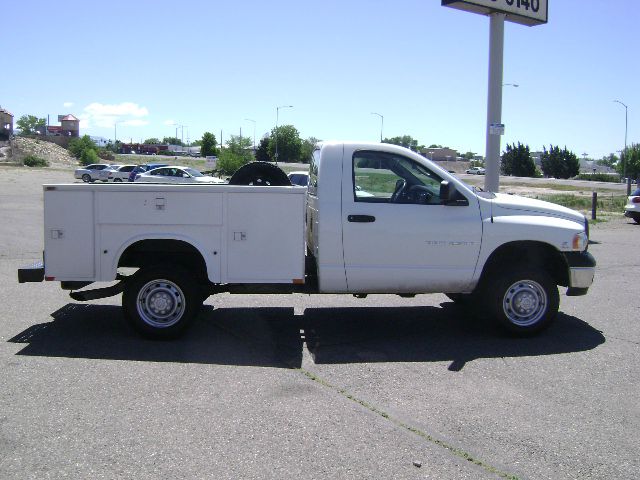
pixel 173 174
pixel 117 173
pixel 90 173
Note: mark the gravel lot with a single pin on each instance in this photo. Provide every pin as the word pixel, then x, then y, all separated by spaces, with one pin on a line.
pixel 314 386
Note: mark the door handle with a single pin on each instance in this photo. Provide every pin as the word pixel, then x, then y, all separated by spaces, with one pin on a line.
pixel 361 218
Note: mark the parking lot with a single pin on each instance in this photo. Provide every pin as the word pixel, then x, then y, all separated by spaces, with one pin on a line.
pixel 296 386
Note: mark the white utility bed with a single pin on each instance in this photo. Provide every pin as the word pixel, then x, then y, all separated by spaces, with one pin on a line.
pixel 246 234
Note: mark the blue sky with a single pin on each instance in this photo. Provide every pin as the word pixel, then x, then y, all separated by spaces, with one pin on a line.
pixel 210 65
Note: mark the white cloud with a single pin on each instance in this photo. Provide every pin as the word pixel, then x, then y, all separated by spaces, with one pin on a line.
pixel 170 122
pixel 67 104
pixel 101 115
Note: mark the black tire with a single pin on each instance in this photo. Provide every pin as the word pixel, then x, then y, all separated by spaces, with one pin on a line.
pixel 161 302
pixel 260 173
pixel 86 178
pixel 524 301
pixel 117 180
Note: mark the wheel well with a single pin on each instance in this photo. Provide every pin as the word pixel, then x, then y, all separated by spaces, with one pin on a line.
pixel 532 254
pixel 146 253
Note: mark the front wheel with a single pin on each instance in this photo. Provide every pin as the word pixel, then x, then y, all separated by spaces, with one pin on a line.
pixel 524 301
pixel 161 302
pixel 86 178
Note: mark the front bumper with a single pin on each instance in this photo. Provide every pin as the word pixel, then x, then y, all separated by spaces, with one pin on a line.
pixel 582 269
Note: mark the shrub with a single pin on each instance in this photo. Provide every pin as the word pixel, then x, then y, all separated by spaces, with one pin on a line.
pixel 599 177
pixel 79 145
pixel 34 161
pixel 88 157
pixel 229 162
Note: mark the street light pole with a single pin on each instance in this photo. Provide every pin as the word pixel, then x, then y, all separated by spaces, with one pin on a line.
pixel 277 118
pixel 115 135
pixel 624 163
pixel 254 133
pixel 381 123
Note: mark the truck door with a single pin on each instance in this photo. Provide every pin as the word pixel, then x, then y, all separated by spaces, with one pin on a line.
pixel 397 236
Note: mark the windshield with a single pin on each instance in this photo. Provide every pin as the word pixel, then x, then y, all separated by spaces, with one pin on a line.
pixel 193 172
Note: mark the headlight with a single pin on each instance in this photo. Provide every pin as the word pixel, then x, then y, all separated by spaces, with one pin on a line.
pixel 580 242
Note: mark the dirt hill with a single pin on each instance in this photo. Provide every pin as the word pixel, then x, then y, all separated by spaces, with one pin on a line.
pixel 57 156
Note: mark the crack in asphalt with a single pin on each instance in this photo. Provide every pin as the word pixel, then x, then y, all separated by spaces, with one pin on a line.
pixel 458 452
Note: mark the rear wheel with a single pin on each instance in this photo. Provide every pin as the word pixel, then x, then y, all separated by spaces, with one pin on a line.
pixel 86 178
pixel 524 301
pixel 161 302
pixel 117 180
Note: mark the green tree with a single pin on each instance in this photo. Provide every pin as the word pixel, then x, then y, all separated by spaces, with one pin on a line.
pixel 208 144
pixel 308 146
pixel 289 144
pixel 469 156
pixel 89 156
pixel 28 124
pixel 559 163
pixel 631 156
pixel 152 141
pixel 237 153
pixel 78 145
pixel 406 141
pixel 610 160
pixel 172 141
pixel 262 153
pixel 517 161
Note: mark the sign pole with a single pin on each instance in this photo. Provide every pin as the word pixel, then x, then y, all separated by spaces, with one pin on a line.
pixel 494 102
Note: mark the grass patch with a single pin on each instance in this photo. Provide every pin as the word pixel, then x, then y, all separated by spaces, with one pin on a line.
pixel 605 203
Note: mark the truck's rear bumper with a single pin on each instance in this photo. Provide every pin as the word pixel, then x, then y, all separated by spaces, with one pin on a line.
pixel 32 273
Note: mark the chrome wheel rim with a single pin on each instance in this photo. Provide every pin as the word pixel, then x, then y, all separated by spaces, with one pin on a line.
pixel 525 303
pixel 161 303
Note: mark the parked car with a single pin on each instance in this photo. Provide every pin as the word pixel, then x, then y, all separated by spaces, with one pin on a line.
pixel 103 175
pixel 90 173
pixel 117 173
pixel 632 208
pixel 173 174
pixel 299 178
pixel 144 168
pixel 475 171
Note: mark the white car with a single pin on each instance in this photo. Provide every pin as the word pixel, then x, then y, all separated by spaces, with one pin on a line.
pixel 632 208
pixel 173 174
pixel 117 173
pixel 300 178
pixel 475 171
pixel 91 172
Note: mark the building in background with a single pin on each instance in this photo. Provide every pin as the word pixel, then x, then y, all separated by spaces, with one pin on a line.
pixel 69 127
pixel 440 154
pixel 6 124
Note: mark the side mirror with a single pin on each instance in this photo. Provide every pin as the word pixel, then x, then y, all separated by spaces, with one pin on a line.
pixel 450 196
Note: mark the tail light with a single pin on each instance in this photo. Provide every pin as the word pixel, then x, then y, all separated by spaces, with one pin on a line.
pixel 635 200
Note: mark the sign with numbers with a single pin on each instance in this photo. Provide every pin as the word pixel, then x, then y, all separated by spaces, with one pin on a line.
pixel 525 12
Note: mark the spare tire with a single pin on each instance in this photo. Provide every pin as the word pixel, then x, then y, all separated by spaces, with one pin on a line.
pixel 260 173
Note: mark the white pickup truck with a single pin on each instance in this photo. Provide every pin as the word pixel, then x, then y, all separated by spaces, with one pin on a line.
pixel 375 218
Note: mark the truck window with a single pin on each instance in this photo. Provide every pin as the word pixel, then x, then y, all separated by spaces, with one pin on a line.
pixel 380 177
pixel 314 165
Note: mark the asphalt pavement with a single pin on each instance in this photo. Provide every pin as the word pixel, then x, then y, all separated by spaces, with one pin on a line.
pixel 296 386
